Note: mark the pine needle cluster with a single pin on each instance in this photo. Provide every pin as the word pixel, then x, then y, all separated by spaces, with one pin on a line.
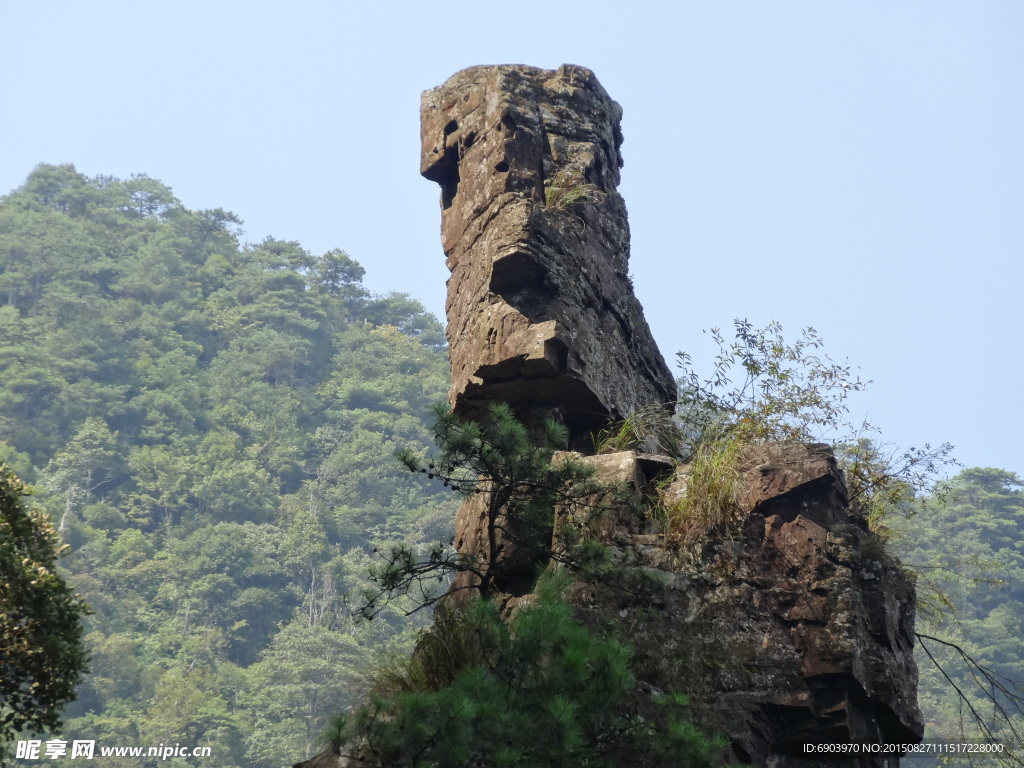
pixel 538 690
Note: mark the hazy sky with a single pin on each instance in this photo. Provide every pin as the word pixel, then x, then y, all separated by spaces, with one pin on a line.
pixel 852 166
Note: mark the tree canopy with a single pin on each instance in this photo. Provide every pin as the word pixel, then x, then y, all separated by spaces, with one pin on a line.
pixel 211 426
pixel 42 656
pixel 967 547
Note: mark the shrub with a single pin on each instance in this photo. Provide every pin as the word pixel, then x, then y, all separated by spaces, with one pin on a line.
pixel 786 391
pixel 538 690
pixel 764 389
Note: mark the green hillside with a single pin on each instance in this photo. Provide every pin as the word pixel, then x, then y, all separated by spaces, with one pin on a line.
pixel 967 547
pixel 211 425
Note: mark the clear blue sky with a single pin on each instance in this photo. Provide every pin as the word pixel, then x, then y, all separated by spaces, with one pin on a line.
pixel 853 166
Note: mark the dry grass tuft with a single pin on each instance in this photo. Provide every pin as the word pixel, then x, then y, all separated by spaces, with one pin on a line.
pixel 562 191
pixel 709 501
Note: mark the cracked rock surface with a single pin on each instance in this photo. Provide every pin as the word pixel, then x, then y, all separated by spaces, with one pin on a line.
pixel 541 310
pixel 791 624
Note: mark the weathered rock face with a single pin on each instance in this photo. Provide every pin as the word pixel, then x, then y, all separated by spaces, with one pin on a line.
pixel 794 628
pixel 541 311
pixel 789 626
pixel 789 630
pixel 788 633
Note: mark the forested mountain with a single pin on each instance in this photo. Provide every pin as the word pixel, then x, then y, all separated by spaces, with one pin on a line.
pixel 967 547
pixel 212 425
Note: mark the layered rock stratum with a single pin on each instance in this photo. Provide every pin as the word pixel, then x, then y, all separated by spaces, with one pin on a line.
pixel 791 627
pixel 541 310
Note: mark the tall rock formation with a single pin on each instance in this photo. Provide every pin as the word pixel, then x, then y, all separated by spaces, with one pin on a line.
pixel 541 310
pixel 793 626
pixel 797 630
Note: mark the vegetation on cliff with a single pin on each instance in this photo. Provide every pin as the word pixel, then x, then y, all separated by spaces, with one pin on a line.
pixel 499 680
pixel 785 393
pixel 961 538
pixel 534 689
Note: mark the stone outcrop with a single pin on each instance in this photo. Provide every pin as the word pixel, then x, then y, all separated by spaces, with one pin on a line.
pixel 786 625
pixel 791 626
pixel 541 310
pixel 787 631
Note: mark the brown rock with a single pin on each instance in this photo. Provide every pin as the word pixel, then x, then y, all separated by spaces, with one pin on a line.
pixel 790 629
pixel 541 311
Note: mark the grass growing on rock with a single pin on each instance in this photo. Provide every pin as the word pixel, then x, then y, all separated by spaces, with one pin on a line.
pixel 708 502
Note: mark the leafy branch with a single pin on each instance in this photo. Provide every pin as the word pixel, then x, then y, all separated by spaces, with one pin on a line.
pixel 763 388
